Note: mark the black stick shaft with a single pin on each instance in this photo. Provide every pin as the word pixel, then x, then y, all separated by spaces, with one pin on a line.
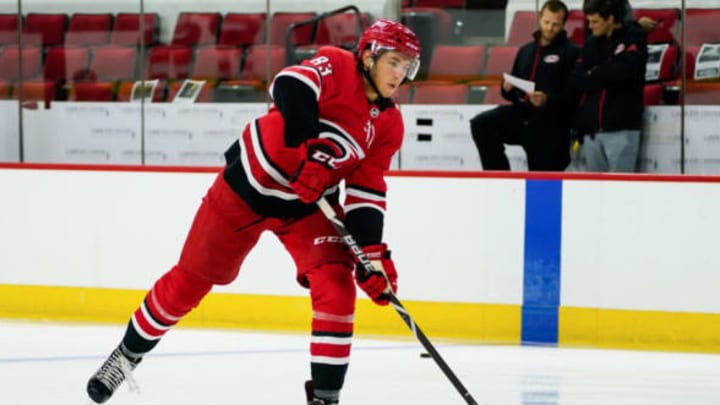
pixel 360 257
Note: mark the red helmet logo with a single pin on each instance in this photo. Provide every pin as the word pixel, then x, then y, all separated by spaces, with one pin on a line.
pixel 388 35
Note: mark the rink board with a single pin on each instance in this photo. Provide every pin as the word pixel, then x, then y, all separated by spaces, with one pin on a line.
pixel 598 261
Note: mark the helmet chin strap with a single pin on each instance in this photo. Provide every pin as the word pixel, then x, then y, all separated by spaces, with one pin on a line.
pixel 382 102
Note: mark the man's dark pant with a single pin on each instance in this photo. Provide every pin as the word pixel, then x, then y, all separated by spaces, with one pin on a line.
pixel 547 148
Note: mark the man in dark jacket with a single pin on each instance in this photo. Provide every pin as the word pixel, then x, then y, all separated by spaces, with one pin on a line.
pixel 539 121
pixel 608 78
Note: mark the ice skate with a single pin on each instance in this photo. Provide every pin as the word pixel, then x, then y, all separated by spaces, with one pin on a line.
pixel 116 369
pixel 310 395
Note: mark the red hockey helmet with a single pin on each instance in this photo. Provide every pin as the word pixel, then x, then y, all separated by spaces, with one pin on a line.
pixel 388 35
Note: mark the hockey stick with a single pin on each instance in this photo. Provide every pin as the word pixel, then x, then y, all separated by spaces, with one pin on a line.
pixel 360 257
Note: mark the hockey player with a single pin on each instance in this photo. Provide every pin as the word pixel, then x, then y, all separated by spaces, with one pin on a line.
pixel 331 119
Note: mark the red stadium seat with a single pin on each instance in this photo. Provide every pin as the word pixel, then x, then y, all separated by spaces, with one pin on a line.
pixel 196 29
pixel 500 60
pixel 440 3
pixel 10 63
pixel 575 27
pixel 341 29
pixel 113 63
pixel 439 93
pixel 256 62
pixel 5 89
pixel 34 91
pixel 652 94
pixel 403 95
pixel 456 63
pixel 280 22
pixel 66 63
pixel 110 65
pixel 702 93
pixel 44 29
pixel 126 31
pixel 89 29
pixel 702 26
pixel 691 53
pixel 92 91
pixel 241 91
pixel 524 23
pixel 169 62
pixel 668 64
pixel 489 92
pixel 9 24
pixel 242 29
pixel 668 21
pixel 217 63
pixel 442 25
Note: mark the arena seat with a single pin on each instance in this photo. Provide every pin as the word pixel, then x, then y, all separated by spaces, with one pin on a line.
pixel 44 29
pixel 668 21
pixel 240 91
pixel 486 92
pixel 92 91
pixel 702 26
pixel 242 29
pixel 216 63
pixel 668 65
pixel 256 65
pixel 10 63
pixel 439 93
pixel 439 3
pixel 500 60
pixel 126 30
pixel 652 94
pixel 281 21
pixel 524 23
pixel 702 93
pixel 575 27
pixel 403 95
pixel 9 24
pixel 41 91
pixel 196 29
pixel 113 63
pixel 432 26
pixel 341 29
pixel 109 66
pixel 89 29
pixel 457 62
pixel 66 63
pixel 168 62
pixel 5 89
pixel 691 53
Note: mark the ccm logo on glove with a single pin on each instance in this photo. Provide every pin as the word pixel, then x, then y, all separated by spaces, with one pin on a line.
pixel 375 284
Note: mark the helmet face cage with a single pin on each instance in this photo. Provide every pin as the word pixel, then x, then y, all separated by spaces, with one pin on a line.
pixel 387 35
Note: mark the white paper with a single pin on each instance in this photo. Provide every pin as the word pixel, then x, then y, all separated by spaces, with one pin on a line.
pixel 524 85
pixel 189 91
pixel 656 55
pixel 707 64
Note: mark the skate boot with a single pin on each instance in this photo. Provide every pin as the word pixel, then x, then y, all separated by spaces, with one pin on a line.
pixel 116 369
pixel 310 395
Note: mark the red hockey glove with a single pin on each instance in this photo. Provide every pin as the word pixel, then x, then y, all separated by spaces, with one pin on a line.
pixel 374 284
pixel 313 176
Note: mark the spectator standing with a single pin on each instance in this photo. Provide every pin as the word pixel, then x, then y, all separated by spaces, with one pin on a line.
pixel 608 79
pixel 539 120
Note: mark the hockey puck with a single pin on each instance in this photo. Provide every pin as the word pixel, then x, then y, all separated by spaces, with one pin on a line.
pixel 425 355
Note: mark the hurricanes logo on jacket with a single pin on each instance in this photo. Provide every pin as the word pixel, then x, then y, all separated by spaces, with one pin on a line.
pixel 351 150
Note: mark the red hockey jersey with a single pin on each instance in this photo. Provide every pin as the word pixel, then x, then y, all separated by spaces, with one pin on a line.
pixel 266 156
